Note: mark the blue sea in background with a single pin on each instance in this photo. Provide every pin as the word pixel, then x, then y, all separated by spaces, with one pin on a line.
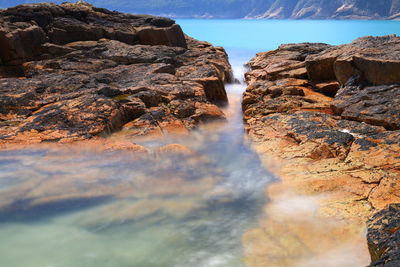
pixel 243 38
pixel 86 208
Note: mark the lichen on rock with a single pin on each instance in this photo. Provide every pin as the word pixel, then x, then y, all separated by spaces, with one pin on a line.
pixel 73 72
pixel 326 119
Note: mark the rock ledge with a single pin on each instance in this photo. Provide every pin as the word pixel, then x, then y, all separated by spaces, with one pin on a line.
pixel 327 119
pixel 73 71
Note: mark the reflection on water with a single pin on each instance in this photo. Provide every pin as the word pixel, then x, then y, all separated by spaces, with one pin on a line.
pixel 87 206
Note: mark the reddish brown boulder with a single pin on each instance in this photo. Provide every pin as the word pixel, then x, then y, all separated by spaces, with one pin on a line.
pixel 163 36
pixel 373 60
pixel 335 149
pixel 68 22
pixel 77 71
pixel 20 43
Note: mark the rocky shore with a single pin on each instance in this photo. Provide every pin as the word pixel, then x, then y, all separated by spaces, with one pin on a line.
pixel 72 72
pixel 327 120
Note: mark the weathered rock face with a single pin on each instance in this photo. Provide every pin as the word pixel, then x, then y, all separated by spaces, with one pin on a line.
pixel 375 105
pixel 25 28
pixel 331 139
pixel 383 237
pixel 369 60
pixel 73 71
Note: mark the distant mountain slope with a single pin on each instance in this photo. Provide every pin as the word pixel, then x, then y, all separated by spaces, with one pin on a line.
pixel 340 9
pixel 271 9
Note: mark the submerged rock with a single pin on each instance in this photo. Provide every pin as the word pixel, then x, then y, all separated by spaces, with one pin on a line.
pixel 73 71
pixel 326 118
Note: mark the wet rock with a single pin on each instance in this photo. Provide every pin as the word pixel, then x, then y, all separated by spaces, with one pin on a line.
pixel 73 72
pixel 383 237
pixel 156 123
pixel 175 150
pixel 331 136
pixel 163 181
pixel 206 112
pixel 92 115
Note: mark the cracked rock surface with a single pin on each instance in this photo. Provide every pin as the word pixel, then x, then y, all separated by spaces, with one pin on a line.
pixel 383 237
pixel 326 119
pixel 73 72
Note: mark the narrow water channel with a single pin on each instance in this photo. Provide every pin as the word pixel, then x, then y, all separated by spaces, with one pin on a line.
pixel 87 207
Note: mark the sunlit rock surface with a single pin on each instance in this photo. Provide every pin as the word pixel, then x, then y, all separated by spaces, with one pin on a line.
pixel 171 198
pixel 325 118
pixel 73 71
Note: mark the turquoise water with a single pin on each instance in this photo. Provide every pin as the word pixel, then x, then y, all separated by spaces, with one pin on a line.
pixel 90 207
pixel 242 39
pixel 84 206
pixel 262 35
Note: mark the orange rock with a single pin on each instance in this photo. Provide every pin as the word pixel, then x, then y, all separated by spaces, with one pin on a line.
pixel 336 162
pixel 125 73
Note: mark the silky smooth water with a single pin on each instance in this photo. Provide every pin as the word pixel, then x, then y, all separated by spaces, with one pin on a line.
pixel 63 206
pixel 86 206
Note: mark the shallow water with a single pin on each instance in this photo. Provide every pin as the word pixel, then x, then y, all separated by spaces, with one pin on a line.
pixel 295 231
pixel 81 206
